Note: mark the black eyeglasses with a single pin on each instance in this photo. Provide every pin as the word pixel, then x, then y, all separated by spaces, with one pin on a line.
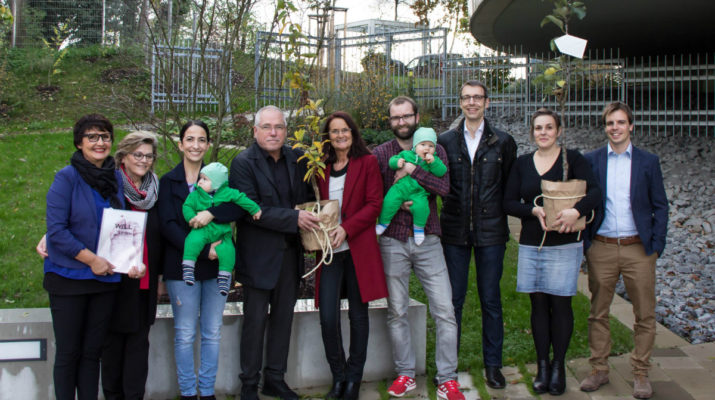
pixel 94 137
pixel 477 98
pixel 141 156
pixel 405 117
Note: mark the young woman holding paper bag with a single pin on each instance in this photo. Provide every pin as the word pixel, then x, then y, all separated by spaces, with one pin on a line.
pixel 548 265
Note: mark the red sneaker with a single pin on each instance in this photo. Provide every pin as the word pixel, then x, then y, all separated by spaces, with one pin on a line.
pixel 449 391
pixel 401 385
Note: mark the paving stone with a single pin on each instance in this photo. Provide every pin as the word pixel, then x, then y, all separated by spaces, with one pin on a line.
pixel 466 384
pixel 599 396
pixel 511 375
pixel 518 391
pixel 669 391
pixel 669 352
pixel 670 363
pixel 703 354
pixel 697 382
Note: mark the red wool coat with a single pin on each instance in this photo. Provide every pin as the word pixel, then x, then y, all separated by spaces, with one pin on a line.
pixel 362 202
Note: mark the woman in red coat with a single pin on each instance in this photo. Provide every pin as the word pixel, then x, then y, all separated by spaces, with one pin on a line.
pixel 353 178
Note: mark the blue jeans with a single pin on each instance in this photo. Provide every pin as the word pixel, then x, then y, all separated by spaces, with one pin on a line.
pixel 201 302
pixel 489 265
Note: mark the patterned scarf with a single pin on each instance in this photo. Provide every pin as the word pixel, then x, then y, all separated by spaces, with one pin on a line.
pixel 146 195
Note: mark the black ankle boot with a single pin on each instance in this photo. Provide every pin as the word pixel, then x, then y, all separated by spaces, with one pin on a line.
pixel 352 391
pixel 557 385
pixel 543 377
pixel 336 392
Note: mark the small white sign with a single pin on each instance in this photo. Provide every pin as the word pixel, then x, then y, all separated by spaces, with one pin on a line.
pixel 21 350
pixel 121 238
pixel 571 45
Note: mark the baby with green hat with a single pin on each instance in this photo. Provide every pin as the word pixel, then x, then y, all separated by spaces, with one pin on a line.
pixel 424 144
pixel 211 190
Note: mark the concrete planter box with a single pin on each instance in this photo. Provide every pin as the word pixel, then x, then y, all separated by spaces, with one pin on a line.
pixel 306 362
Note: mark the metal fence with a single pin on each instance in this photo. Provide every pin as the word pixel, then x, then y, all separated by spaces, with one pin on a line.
pixel 86 22
pixel 357 66
pixel 670 95
pixel 189 79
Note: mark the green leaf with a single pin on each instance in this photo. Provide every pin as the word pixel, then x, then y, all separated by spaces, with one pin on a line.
pixel 553 20
pixel 580 12
pixel 552 45
pixel 561 83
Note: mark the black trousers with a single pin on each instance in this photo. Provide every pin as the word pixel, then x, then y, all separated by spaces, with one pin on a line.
pixel 125 359
pixel 80 323
pixel 256 318
pixel 335 279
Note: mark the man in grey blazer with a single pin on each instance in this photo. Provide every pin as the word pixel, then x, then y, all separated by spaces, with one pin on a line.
pixel 625 239
pixel 269 257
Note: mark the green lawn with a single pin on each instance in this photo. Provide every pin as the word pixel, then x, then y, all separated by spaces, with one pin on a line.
pixel 28 163
pixel 91 79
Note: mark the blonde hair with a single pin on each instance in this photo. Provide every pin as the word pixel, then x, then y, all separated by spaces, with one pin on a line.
pixel 131 142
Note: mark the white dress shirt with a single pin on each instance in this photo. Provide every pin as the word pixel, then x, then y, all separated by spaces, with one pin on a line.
pixel 473 144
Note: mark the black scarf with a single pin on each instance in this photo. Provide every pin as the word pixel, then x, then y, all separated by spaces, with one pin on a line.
pixel 103 180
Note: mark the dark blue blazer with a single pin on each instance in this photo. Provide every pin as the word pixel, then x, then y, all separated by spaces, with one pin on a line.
pixel 72 223
pixel 648 201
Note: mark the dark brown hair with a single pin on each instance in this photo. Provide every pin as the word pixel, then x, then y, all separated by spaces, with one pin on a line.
pixel 357 149
pixel 89 121
pixel 402 100
pixel 617 106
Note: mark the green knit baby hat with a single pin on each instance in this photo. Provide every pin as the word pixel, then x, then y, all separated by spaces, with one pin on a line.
pixel 424 135
pixel 218 174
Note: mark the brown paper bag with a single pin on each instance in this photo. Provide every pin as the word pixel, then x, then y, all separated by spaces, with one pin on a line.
pixel 328 215
pixel 559 196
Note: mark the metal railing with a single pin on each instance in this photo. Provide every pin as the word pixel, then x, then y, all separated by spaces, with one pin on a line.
pixel 188 79
pixel 670 95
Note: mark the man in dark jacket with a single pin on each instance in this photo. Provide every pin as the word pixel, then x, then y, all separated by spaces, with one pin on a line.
pixel 480 158
pixel 270 257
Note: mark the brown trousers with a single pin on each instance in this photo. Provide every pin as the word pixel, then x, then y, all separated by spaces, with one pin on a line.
pixel 605 263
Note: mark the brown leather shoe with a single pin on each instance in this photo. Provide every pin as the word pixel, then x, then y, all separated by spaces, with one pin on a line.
pixel 594 380
pixel 641 387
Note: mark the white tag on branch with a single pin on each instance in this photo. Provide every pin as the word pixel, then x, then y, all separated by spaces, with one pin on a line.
pixel 571 45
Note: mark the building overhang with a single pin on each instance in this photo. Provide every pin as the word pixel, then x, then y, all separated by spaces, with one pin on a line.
pixel 635 27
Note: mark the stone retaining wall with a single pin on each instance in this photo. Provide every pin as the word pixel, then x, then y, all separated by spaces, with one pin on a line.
pixel 307 367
